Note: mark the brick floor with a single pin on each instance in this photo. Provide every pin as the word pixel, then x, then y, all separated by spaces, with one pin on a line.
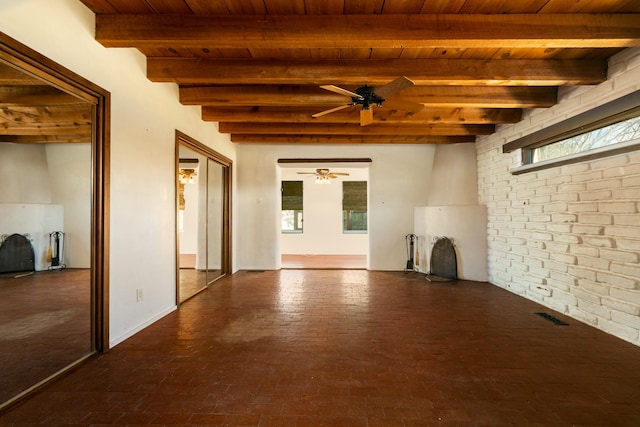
pixel 351 348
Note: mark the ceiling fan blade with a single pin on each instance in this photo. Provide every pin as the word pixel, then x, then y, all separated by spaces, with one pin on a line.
pixel 332 110
pixel 340 173
pixel 366 116
pixel 341 91
pixel 306 173
pixel 401 104
pixel 395 86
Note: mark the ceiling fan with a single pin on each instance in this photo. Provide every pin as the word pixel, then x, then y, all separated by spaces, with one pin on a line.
pixel 323 176
pixel 367 96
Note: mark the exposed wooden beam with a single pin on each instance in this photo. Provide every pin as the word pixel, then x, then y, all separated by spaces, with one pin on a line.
pixel 35 95
pixel 55 114
pixel 428 115
pixel 510 72
pixel 348 139
pixel 348 129
pixel 451 96
pixel 376 31
pixel 9 76
pixel 45 129
pixel 47 139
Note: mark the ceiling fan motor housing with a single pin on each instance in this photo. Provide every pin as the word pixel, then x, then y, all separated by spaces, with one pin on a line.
pixel 367 97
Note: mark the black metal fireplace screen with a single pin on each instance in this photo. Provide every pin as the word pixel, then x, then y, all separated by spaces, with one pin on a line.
pixel 16 254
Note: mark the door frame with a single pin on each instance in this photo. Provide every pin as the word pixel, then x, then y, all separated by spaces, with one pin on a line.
pixel 227 170
pixel 27 60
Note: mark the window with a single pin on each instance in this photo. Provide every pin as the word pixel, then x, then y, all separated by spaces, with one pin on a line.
pixel 354 206
pixel 624 131
pixel 609 129
pixel 291 206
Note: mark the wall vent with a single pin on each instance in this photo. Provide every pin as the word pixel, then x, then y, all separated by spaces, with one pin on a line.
pixel 551 318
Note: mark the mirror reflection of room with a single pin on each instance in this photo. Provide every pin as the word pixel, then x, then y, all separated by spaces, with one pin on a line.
pixel 202 203
pixel 45 237
pixel 192 170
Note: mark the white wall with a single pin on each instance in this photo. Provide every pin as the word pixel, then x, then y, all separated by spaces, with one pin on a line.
pixel 454 180
pixel 46 188
pixel 398 179
pixel 568 237
pixel 322 215
pixel 70 178
pixel 144 117
pixel 465 226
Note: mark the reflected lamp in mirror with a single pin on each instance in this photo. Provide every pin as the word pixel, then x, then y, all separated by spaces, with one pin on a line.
pixel 187 176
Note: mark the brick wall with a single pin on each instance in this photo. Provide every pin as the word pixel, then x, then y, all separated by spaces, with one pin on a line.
pixel 568 237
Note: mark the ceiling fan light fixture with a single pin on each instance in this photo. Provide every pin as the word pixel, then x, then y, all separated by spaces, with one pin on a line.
pixel 323 180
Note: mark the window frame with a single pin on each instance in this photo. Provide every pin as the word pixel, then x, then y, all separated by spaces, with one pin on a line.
pixel 621 109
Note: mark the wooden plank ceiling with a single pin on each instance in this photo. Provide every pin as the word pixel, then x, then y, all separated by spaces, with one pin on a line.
pixel 256 66
pixel 32 111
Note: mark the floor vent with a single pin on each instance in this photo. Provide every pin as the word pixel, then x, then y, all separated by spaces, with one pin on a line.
pixel 255 271
pixel 551 318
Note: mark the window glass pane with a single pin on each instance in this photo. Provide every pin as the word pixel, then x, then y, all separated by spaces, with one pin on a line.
pixel 627 130
pixel 354 206
pixel 291 207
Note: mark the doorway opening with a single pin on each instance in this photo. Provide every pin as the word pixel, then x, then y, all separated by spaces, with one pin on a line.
pixel 324 213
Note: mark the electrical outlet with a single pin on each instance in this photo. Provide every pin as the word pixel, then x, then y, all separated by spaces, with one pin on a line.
pixel 139 294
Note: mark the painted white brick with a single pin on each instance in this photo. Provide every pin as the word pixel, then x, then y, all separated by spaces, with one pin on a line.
pixel 597 195
pixel 593 262
pixel 564 217
pixel 556 266
pixel 627 232
pixel 632 193
pixel 632 270
pixel 593 230
pixel 581 272
pixel 631 169
pixel 586 295
pixel 623 256
pixel 565 197
pixel 583 316
pixel 595 287
pixel 566 238
pixel 600 219
pixel 622 306
pixel 604 184
pixel 589 250
pixel 625 332
pixel 595 308
pixel 590 175
pixel 616 280
pixel 572 187
pixel 631 181
pixel 584 250
pixel 599 242
pixel 619 207
pixel 626 319
pixel 610 162
pixel 542 236
pixel 560 228
pixel 583 207
pixel 628 244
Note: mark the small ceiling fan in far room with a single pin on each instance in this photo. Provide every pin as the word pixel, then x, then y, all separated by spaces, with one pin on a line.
pixel 324 176
pixel 367 96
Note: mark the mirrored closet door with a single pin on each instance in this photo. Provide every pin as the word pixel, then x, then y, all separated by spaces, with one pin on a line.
pixel 203 211
pixel 52 220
